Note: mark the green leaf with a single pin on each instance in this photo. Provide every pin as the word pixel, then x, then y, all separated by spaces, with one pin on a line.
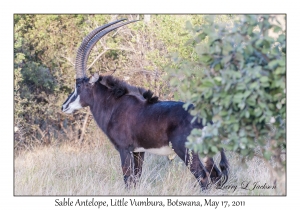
pixel 214 149
pixel 244 152
pixel 264 79
pixel 247 93
pixel 206 58
pixel 186 105
pixel 257 112
pixel 277 29
pixel 273 64
pixel 242 145
pixel 217 67
pixel 247 114
pixel 238 97
pixel 279 105
pixel 226 59
pixel 267 155
pixel 188 25
pixel 236 127
pixel 218 79
pixel 196 132
pixel 282 62
pixel 207 83
pixel 201 36
pixel 280 70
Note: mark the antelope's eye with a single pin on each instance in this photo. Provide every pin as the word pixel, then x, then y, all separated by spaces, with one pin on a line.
pixel 78 86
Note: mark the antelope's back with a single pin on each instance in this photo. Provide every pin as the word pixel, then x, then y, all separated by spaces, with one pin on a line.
pixel 158 122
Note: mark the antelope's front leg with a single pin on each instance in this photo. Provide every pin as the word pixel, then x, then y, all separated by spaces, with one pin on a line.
pixel 127 166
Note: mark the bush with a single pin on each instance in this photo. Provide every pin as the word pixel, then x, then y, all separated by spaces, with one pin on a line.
pixel 238 81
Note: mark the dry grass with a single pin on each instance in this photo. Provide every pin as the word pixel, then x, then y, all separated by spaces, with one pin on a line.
pixel 95 170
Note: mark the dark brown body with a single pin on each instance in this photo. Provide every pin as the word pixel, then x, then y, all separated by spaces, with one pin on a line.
pixel 131 123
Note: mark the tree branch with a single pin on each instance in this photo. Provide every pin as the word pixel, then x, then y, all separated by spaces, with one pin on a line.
pixel 104 51
pixel 68 59
pixel 84 126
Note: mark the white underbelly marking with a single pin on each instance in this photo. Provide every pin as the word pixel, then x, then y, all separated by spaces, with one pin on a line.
pixel 165 150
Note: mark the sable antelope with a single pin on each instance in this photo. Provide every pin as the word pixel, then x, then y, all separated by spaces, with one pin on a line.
pixel 135 121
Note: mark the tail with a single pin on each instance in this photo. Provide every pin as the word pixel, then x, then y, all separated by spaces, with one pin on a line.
pixel 224 166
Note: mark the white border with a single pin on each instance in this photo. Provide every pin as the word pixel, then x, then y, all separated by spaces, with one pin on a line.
pixel 8 8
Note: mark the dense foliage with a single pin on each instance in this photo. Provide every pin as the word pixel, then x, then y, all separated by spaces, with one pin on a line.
pixel 237 80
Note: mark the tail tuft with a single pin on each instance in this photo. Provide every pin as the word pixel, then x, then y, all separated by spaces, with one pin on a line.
pixel 224 166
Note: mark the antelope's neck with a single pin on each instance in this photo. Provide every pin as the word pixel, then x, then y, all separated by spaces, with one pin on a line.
pixel 102 110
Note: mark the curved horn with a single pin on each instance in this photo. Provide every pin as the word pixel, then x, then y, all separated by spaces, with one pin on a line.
pixel 95 39
pixel 80 71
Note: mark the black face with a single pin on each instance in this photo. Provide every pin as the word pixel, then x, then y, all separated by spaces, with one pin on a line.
pixel 85 89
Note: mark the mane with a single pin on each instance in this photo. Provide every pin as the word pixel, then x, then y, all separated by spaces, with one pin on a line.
pixel 120 88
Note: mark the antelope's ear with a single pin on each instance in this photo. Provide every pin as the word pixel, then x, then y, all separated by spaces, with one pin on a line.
pixel 103 81
pixel 94 78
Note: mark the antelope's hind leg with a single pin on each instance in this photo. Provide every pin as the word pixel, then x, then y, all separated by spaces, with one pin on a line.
pixel 194 164
pixel 212 169
pixel 138 164
pixel 217 176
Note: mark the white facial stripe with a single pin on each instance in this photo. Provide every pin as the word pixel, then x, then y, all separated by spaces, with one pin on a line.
pixel 75 105
pixel 70 106
pixel 70 98
pixel 165 150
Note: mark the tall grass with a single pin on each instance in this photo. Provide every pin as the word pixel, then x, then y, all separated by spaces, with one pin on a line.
pixel 95 169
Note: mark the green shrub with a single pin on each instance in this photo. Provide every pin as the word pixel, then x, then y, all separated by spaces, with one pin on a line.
pixel 238 81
